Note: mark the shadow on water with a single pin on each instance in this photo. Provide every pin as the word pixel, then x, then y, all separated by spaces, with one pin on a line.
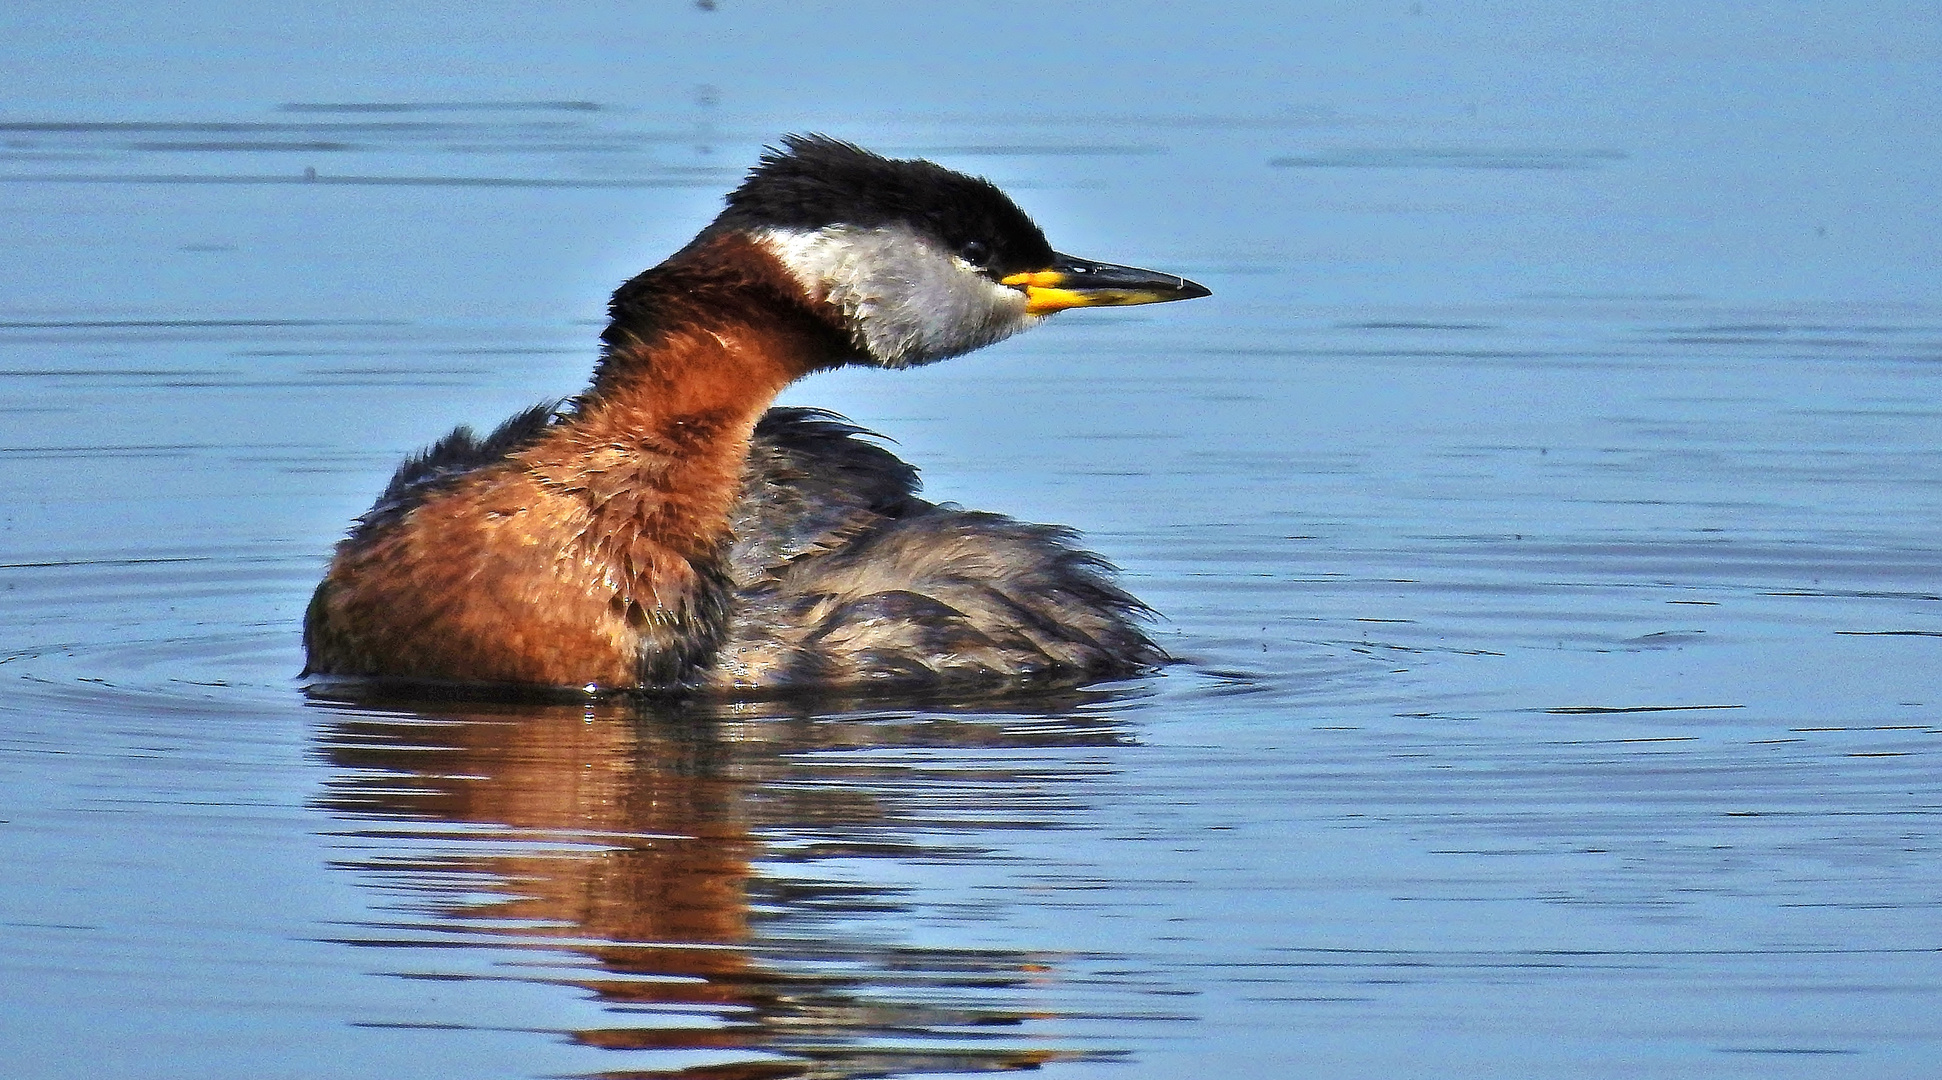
pixel 705 872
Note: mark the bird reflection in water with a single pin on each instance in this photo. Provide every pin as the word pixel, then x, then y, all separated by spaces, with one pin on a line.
pixel 667 862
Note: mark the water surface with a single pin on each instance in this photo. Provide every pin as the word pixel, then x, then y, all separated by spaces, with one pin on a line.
pixel 1544 509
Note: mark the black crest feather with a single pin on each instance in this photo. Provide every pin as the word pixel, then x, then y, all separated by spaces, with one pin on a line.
pixel 812 181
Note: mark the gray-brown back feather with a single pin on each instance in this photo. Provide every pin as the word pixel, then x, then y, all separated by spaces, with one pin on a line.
pixel 844 577
pixel 813 480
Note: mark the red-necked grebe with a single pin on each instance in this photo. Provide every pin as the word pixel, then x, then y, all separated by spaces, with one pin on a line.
pixel 667 529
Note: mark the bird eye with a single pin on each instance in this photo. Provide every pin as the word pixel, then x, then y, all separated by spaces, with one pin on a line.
pixel 975 252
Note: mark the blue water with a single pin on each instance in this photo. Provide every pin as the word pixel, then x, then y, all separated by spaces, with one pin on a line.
pixel 1545 509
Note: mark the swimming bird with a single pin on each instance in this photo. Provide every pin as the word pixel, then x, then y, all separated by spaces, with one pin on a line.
pixel 668 529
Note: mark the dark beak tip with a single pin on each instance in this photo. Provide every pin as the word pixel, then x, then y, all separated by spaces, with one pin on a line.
pixel 1113 283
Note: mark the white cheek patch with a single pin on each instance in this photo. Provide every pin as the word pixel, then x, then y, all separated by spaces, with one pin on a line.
pixel 907 300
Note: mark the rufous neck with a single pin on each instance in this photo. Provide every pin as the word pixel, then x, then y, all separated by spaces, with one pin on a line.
pixel 698 349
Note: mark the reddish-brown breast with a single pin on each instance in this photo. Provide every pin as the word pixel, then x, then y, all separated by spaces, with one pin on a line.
pixel 593 555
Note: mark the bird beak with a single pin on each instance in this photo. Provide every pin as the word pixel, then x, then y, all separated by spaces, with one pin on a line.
pixel 1073 282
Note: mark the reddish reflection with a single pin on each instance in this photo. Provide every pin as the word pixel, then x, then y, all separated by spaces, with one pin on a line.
pixel 630 839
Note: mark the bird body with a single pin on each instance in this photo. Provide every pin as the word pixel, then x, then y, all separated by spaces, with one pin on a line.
pixel 667 529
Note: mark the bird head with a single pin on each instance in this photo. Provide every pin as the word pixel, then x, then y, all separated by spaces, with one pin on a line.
pixel 917 262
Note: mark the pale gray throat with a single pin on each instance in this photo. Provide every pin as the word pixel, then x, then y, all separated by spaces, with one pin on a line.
pixel 905 299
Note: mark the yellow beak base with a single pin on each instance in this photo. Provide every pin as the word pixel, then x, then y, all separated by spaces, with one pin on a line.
pixel 1073 282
